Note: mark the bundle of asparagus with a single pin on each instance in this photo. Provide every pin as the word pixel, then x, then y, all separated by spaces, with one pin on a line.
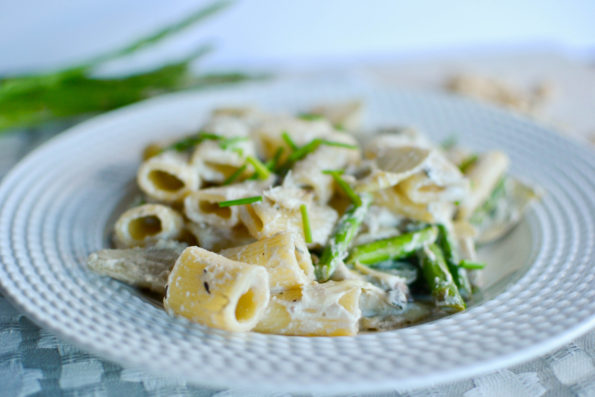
pixel 29 100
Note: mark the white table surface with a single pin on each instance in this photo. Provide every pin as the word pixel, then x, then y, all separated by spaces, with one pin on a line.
pixel 34 362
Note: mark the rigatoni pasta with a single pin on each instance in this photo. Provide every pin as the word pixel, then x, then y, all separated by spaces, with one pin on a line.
pixel 284 255
pixel 300 225
pixel 147 224
pixel 213 290
pixel 167 177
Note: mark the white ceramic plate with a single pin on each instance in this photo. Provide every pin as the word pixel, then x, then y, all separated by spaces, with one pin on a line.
pixel 58 204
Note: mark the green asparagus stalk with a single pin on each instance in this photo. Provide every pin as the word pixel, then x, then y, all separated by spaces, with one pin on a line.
pixel 435 271
pixel 393 247
pixel 33 99
pixel 24 84
pixel 459 274
pixel 337 248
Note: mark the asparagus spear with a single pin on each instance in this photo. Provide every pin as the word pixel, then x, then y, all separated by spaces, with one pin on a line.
pixel 392 248
pixel 23 84
pixel 435 271
pixel 338 246
pixel 459 274
pixel 32 99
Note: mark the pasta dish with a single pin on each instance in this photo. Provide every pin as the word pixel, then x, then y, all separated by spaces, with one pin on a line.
pixel 311 225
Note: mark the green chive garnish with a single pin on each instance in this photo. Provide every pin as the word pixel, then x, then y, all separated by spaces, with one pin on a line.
pixel 273 163
pixel 339 144
pixel 235 175
pixel 468 162
pixel 336 174
pixel 261 170
pixel 310 147
pixel 190 141
pixel 305 150
pixel 465 264
pixel 229 142
pixel 289 141
pixel 310 116
pixel 306 223
pixel 208 136
pixel 242 201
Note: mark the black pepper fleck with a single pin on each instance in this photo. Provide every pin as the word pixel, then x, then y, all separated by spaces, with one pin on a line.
pixel 206 285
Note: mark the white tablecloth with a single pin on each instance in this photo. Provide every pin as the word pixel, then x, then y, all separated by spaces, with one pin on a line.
pixel 34 362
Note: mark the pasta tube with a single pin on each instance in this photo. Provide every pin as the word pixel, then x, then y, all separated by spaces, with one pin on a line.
pixel 267 217
pixel 393 165
pixel 398 202
pixel 440 181
pixel 215 238
pixel 147 224
pixel 167 177
pixel 484 174
pixel 215 163
pixel 307 173
pixel 328 309
pixel 202 206
pixel 215 291
pixel 284 255
pixel 268 134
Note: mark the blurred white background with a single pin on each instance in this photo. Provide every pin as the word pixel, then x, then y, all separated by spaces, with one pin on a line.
pixel 266 34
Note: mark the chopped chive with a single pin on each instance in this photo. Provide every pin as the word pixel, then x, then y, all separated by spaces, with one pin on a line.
pixel 242 201
pixel 277 158
pixel 235 175
pixel 273 163
pixel 208 136
pixel 289 141
pixel 310 116
pixel 190 141
pixel 239 151
pixel 468 162
pixel 183 144
pixel 306 223
pixel 465 264
pixel 261 170
pixel 330 172
pixel 305 150
pixel 339 144
pixel 310 147
pixel 354 197
pixel 230 142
